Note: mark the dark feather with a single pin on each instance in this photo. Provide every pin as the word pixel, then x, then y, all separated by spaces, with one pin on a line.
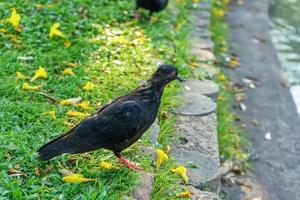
pixel 152 5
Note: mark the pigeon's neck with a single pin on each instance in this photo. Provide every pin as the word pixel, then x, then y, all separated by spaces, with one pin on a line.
pixel 151 90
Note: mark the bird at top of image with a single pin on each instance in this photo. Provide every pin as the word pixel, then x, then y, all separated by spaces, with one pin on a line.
pixel 151 5
pixel 117 125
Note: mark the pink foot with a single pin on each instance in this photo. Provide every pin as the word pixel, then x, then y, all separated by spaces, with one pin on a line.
pixel 129 164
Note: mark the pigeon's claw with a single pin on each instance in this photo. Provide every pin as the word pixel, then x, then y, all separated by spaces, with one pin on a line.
pixel 129 164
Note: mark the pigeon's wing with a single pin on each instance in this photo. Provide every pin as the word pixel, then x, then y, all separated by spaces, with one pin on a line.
pixel 117 123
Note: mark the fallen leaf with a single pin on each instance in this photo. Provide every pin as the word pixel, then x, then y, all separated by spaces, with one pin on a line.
pixel 14 172
pixel 54 31
pixel 65 172
pixel 181 170
pixel 161 157
pixel 13 38
pixel 38 171
pixel 26 86
pixel 76 178
pixel 88 86
pixel 254 122
pixel 167 149
pixel 40 73
pixel 239 97
pixel 243 126
pixel 68 71
pixel 67 44
pixel 185 194
pixel 234 61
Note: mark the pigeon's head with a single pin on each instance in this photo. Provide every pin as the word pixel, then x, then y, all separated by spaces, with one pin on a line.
pixel 165 74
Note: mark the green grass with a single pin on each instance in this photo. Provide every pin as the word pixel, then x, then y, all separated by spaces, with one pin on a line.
pixel 115 68
pixel 232 141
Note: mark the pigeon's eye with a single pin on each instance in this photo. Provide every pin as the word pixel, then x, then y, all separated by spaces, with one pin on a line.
pixel 173 73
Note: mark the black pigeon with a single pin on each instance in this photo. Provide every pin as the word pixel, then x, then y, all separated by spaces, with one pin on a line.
pixel 117 125
pixel 151 5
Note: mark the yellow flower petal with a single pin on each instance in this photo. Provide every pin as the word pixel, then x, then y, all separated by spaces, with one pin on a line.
pixel 234 61
pixel 76 178
pixel 76 114
pixel 218 12
pixel 185 194
pixel 181 170
pixel 88 86
pixel 70 64
pixel 107 165
pixel 51 113
pixel 66 102
pixel 14 18
pixel 167 149
pixel 40 73
pixel 84 105
pixel 161 157
pixel 222 77
pixel 55 32
pixel 68 71
pixel 26 86
pixel 20 75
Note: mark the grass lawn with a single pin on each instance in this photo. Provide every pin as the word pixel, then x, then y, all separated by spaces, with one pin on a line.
pixel 103 45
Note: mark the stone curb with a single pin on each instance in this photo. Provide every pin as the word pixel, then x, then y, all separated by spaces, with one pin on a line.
pixel 197 147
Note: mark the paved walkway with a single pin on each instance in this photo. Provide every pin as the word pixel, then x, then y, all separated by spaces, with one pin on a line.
pixel 277 169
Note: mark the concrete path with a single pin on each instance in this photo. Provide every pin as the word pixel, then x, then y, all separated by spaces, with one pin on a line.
pixel 277 168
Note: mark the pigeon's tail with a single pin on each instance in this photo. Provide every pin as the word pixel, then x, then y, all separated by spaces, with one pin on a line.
pixel 69 142
pixel 52 149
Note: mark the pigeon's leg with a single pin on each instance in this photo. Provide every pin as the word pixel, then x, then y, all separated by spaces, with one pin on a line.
pixel 127 163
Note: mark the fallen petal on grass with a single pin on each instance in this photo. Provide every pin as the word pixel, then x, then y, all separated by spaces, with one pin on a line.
pixel 14 18
pixel 54 31
pixel 84 105
pixel 40 73
pixel 20 76
pixel 107 165
pixel 72 113
pixel 68 71
pixel 76 178
pixel 26 86
pixel 181 170
pixel 161 157
pixel 185 194
pixel 88 86
pixel 51 113
pixel 67 44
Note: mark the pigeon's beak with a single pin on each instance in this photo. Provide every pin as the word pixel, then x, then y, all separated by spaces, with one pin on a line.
pixel 178 78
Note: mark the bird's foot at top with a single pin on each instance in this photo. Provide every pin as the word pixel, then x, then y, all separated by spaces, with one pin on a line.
pixel 129 164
